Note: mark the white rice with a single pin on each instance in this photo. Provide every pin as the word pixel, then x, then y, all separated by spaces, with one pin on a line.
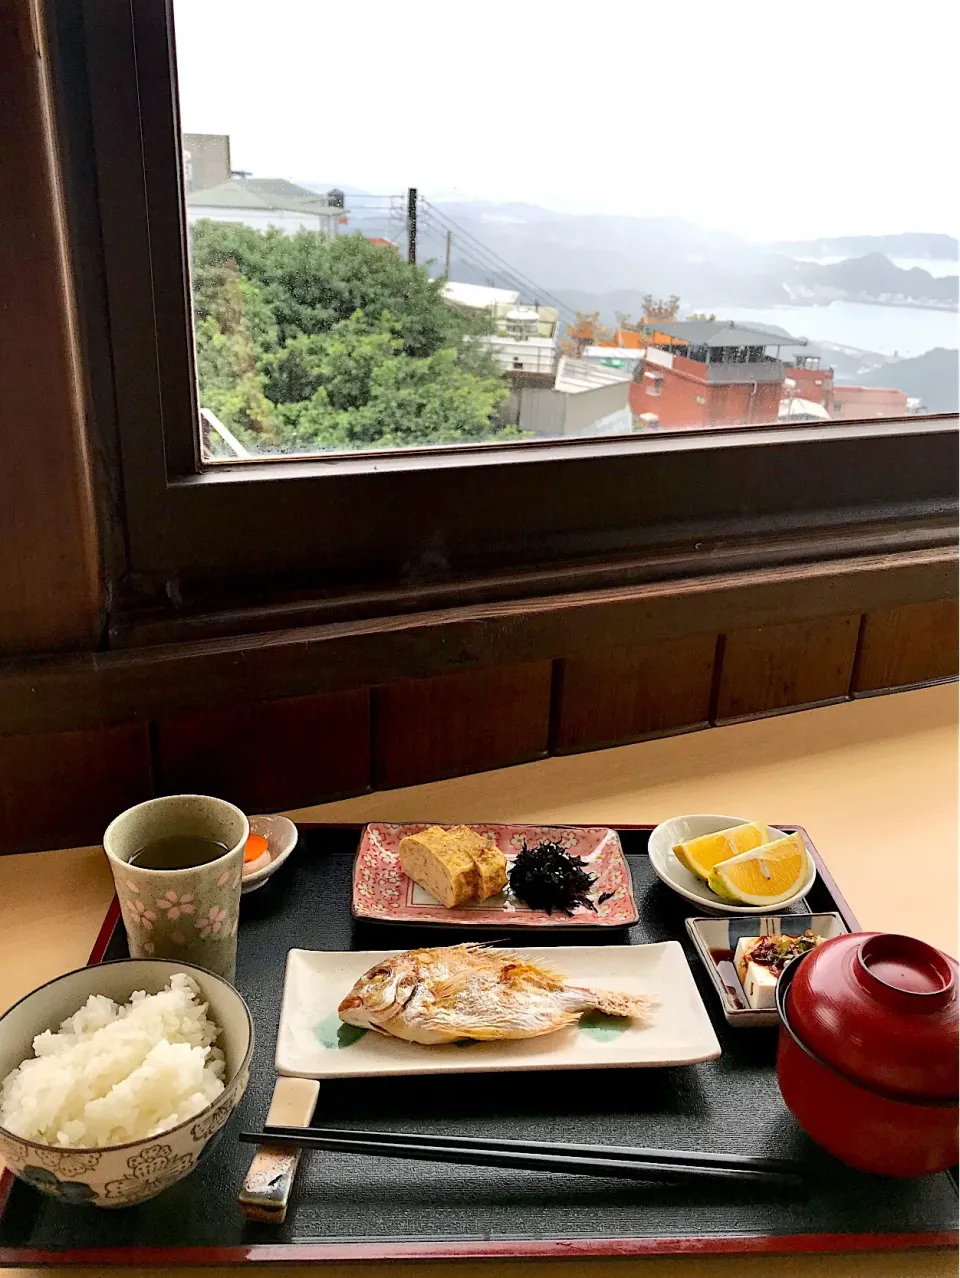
pixel 114 1074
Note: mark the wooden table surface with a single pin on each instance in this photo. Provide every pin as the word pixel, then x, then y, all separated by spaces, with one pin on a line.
pixel 874 782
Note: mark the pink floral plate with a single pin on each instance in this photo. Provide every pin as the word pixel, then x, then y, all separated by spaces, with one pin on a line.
pixel 382 891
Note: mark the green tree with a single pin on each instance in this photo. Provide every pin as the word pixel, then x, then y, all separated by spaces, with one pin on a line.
pixel 233 326
pixel 364 393
pixel 305 342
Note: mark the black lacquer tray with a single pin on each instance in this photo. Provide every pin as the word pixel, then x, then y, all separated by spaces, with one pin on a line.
pixel 348 1208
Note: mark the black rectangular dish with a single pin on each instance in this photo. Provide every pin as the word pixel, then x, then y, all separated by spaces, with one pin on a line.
pixel 349 1208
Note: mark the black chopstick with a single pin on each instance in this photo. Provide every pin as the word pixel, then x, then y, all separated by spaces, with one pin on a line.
pixel 672 1166
pixel 702 1158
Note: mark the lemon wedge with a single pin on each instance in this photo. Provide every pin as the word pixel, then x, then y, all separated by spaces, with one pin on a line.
pixel 699 856
pixel 764 875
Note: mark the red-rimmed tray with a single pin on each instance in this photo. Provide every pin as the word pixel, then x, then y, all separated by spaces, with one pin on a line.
pixel 382 891
pixel 345 1208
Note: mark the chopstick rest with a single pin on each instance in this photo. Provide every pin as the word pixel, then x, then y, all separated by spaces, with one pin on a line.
pixel 266 1188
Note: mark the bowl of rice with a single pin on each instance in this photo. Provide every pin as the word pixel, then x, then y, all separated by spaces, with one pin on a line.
pixel 115 1078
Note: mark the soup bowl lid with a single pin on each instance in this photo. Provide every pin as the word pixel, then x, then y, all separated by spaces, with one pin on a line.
pixel 880 1008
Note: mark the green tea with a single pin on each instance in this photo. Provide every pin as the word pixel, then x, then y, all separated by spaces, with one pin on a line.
pixel 178 852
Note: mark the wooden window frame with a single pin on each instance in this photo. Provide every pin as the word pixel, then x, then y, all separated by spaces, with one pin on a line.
pixel 233 548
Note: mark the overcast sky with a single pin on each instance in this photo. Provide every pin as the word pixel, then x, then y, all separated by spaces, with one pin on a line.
pixel 766 118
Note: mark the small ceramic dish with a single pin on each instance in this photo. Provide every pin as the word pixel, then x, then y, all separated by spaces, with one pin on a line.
pixel 669 870
pixel 382 891
pixel 716 941
pixel 281 835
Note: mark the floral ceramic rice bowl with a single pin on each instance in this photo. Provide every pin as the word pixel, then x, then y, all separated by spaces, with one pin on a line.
pixel 122 1175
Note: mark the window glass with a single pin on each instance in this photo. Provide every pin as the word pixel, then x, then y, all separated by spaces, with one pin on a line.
pixel 442 225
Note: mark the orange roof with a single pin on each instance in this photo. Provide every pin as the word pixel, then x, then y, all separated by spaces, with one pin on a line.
pixel 624 339
pixel 630 340
pixel 664 339
pixel 581 330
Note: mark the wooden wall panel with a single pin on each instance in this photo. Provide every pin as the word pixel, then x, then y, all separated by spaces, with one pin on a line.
pixel 773 668
pixel 62 789
pixel 914 643
pixel 430 728
pixel 278 754
pixel 609 697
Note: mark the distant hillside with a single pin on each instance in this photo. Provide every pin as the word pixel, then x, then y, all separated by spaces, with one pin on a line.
pixel 609 262
pixel 909 244
pixel 873 278
pixel 933 377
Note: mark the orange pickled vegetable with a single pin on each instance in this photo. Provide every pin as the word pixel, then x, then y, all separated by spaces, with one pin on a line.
pixel 256 846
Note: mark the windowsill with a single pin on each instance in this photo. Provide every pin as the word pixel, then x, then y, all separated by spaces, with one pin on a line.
pixel 464 456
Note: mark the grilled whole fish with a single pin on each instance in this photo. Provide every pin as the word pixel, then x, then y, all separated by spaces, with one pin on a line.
pixel 455 992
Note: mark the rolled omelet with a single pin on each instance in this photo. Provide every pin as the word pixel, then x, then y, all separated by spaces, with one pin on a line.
pixel 456 866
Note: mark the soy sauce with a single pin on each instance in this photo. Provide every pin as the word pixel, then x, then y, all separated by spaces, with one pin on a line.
pixel 730 977
pixel 178 852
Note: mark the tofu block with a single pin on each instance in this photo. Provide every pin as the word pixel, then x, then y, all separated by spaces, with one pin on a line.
pixel 759 983
pixel 456 866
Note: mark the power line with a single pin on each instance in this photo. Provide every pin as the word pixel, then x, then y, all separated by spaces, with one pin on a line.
pixel 491 260
pixel 448 224
pixel 484 261
pixel 484 267
pixel 491 270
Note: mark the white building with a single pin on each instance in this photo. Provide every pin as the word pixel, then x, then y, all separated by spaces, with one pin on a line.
pixel 620 357
pixel 477 297
pixel 268 202
pixel 585 399
pixel 525 336
pixel 524 355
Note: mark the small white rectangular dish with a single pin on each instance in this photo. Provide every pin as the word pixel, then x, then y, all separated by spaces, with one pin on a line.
pixel 312 1042
pixel 716 942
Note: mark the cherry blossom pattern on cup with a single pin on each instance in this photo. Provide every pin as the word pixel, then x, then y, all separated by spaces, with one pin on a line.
pixel 175 904
pixel 143 915
pixel 211 923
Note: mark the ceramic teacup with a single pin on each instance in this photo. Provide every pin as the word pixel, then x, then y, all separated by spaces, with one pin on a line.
pixel 189 914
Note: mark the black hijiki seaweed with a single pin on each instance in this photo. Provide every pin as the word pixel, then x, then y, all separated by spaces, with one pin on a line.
pixel 548 877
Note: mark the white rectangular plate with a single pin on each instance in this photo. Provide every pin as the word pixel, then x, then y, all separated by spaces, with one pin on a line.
pixel 311 1044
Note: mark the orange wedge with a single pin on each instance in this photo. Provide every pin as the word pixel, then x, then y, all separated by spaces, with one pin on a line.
pixel 701 855
pixel 764 875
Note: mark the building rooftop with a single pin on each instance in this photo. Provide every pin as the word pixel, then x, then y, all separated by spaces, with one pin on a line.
pixel 478 295
pixel 717 333
pixel 806 408
pixel 576 375
pixel 627 339
pixel 262 193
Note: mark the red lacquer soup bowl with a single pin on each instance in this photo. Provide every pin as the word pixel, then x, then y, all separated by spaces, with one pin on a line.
pixel 867 1057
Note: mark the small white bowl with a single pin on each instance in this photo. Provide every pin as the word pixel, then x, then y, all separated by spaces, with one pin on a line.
pixel 281 835
pixel 122 1175
pixel 669 870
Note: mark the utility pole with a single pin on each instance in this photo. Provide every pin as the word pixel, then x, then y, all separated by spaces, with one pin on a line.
pixel 412 226
pixel 446 256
